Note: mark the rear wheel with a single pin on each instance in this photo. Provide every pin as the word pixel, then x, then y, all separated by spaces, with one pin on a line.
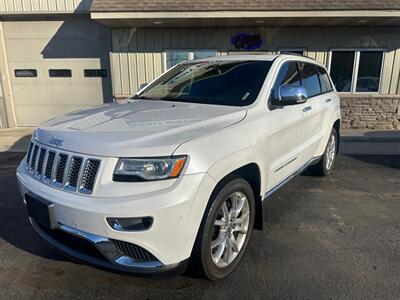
pixel 225 230
pixel 325 165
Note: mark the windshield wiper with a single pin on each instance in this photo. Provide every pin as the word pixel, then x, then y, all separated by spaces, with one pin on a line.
pixel 141 97
pixel 167 99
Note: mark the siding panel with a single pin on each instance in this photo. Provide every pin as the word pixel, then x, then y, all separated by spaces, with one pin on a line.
pixel 147 46
pixel 29 6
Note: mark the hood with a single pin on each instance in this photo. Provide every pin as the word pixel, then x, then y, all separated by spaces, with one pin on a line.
pixel 138 128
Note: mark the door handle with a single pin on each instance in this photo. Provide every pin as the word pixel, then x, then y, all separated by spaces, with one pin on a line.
pixel 328 100
pixel 306 109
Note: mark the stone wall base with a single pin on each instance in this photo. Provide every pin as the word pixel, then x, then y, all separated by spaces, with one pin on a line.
pixel 370 111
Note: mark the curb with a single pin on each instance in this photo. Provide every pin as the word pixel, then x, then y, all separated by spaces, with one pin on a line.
pixel 363 139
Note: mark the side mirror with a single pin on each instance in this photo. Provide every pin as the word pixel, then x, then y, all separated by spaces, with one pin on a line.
pixel 291 95
pixel 142 86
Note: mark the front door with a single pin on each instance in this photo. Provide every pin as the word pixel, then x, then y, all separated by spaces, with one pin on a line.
pixel 286 130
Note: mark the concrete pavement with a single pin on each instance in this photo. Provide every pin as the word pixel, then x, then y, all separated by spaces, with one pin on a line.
pixel 336 237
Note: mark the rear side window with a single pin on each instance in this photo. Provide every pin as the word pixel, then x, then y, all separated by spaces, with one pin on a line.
pixel 326 85
pixel 288 75
pixel 309 78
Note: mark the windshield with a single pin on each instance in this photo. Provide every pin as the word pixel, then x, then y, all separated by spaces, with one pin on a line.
pixel 232 83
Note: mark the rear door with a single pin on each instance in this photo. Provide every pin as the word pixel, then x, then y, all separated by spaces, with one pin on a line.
pixel 313 112
pixel 330 102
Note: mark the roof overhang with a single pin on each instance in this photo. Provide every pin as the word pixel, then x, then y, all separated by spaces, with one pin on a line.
pixel 249 18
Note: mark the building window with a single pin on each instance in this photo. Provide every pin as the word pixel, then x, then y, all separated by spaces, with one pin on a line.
pixel 60 73
pixel 356 71
pixel 95 73
pixel 174 57
pixel 25 73
pixel 342 70
pixel 369 71
pixel 203 54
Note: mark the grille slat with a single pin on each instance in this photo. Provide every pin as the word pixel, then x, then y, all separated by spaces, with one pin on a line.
pixel 61 170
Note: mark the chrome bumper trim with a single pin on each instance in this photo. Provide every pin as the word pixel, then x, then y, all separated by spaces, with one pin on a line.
pixel 107 248
pixel 113 258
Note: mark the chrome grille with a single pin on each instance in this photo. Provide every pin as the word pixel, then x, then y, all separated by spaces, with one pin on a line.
pixel 62 170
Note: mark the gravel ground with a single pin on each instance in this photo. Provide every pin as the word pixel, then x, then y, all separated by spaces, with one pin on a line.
pixel 324 238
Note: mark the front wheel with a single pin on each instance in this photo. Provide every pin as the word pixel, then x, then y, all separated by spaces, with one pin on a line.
pixel 225 230
pixel 325 165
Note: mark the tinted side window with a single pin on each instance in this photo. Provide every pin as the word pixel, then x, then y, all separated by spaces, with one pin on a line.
pixel 324 79
pixel 309 78
pixel 288 75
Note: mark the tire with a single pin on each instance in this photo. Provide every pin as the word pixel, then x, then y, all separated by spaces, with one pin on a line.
pixel 326 163
pixel 216 232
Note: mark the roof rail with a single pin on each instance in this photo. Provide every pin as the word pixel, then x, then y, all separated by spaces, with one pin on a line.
pixel 295 54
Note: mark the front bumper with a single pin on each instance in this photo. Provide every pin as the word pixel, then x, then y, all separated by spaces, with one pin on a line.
pixel 177 212
pixel 102 252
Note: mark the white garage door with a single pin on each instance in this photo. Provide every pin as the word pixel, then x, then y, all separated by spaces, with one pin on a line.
pixel 57 67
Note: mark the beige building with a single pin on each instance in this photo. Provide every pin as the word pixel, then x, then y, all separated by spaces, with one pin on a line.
pixel 58 56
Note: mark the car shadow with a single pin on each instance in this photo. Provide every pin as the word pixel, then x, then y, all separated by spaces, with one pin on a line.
pixel 15 228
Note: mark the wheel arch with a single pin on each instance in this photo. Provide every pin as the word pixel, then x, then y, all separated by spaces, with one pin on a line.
pixel 336 125
pixel 252 174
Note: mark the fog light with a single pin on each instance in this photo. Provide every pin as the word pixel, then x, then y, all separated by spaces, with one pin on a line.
pixel 130 224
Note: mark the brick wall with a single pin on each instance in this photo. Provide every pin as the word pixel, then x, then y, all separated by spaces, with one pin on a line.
pixel 370 112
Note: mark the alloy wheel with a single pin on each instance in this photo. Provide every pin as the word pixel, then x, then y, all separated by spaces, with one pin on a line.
pixel 330 152
pixel 230 229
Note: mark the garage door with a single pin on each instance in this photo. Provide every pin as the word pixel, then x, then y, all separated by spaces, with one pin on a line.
pixel 56 67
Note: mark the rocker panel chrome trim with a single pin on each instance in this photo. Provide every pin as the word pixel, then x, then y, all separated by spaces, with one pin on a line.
pixel 290 177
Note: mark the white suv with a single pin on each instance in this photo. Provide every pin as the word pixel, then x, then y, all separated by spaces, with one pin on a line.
pixel 179 172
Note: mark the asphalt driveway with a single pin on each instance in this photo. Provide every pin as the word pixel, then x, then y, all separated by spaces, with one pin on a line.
pixel 336 237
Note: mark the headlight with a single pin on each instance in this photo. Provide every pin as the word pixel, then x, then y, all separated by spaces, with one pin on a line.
pixel 148 169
